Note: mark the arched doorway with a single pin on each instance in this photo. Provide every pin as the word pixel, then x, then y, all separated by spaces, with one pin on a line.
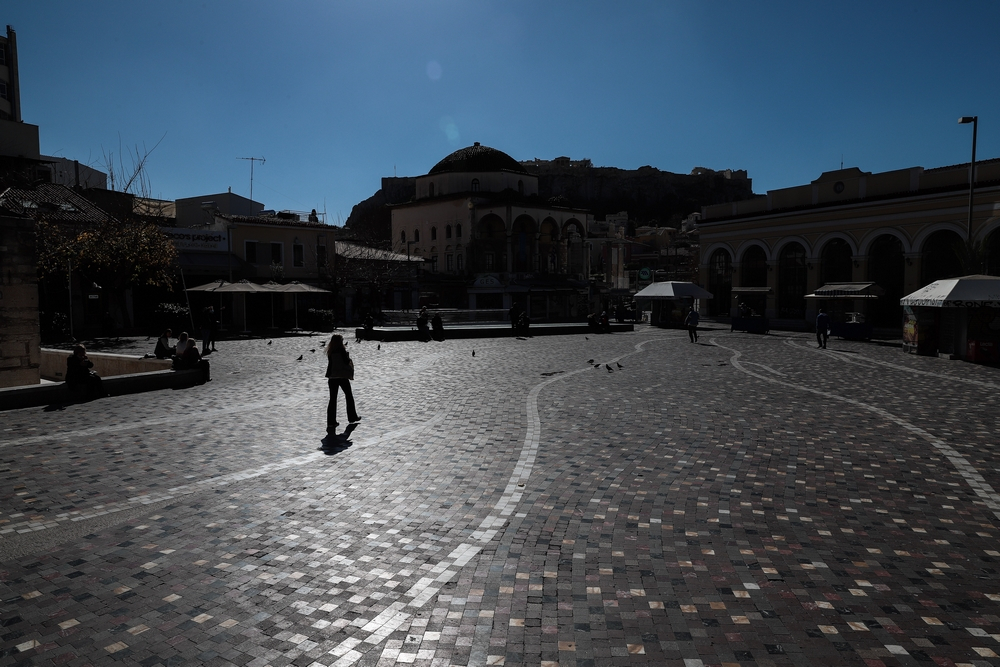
pixel 720 282
pixel 523 244
pixel 885 268
pixel 993 253
pixel 836 262
pixel 753 273
pixel 792 275
pixel 488 251
pixel 548 246
pixel 939 257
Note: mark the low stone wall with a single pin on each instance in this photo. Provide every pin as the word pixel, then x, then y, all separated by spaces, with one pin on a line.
pixel 53 364
pixel 12 398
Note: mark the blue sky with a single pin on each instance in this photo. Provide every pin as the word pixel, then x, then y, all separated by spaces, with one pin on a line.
pixel 336 95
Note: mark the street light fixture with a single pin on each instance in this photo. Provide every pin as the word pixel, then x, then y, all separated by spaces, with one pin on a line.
pixel 965 120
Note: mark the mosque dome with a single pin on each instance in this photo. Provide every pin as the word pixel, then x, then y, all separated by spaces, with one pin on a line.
pixel 477 158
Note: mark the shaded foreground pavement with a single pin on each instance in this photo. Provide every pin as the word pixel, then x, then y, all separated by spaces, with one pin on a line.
pixel 751 501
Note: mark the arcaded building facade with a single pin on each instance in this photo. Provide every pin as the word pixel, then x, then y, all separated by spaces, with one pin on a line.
pixel 478 222
pixel 898 229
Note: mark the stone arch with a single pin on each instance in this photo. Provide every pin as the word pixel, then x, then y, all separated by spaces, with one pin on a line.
pixel 720 281
pixel 870 237
pixel 920 240
pixel 826 238
pixel 939 255
pixel 784 241
pixel 748 245
pixel 710 250
pixel 792 280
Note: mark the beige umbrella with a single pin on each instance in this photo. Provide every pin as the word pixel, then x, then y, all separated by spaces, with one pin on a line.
pixel 295 288
pixel 243 286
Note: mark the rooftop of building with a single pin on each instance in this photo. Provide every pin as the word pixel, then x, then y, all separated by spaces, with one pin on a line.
pixel 477 158
pixel 51 202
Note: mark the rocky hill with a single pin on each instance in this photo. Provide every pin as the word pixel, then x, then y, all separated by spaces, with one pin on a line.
pixel 649 195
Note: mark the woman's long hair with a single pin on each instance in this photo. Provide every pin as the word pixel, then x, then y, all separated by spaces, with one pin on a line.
pixel 336 344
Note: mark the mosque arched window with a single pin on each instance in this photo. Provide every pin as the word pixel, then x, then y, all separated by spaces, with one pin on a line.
pixel 458 231
pixel 434 233
pixel 475 185
pixel 402 236
pixel 416 236
pixel 430 189
pixel 520 187
pixel 447 231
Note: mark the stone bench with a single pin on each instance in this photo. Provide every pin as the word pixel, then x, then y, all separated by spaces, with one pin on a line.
pixel 12 398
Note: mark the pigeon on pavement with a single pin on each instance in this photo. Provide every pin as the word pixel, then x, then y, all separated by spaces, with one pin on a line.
pixel 610 370
pixel 269 342
pixel 300 358
pixel 590 361
pixel 619 365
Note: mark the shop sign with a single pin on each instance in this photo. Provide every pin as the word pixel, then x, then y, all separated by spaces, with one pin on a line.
pixel 645 273
pixel 197 239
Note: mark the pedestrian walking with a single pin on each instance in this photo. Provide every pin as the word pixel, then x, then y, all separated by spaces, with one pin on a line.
pixel 691 322
pixel 339 373
pixel 822 329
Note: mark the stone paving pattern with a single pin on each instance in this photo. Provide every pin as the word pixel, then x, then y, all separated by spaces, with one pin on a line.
pixel 746 500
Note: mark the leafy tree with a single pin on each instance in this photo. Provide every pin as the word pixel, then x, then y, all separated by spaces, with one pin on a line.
pixel 116 255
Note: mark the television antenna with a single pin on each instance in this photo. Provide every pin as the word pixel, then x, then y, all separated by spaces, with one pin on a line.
pixel 252 160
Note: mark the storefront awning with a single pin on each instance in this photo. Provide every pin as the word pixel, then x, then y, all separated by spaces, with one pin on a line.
pixel 847 291
pixel 673 289
pixel 751 290
pixel 966 292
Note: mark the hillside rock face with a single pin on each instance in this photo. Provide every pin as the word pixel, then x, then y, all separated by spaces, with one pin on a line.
pixel 649 195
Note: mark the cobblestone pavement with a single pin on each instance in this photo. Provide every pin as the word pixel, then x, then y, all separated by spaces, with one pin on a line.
pixel 745 500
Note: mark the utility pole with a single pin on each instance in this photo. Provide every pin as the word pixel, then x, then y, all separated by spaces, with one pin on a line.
pixel 252 160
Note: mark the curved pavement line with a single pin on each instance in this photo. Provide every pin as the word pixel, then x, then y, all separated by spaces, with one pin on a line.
pixel 869 361
pixel 393 616
pixel 207 484
pixel 972 476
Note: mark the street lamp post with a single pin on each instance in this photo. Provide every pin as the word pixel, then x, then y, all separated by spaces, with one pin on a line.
pixel 964 120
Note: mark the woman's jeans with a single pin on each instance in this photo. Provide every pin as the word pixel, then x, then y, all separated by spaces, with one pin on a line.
pixel 331 408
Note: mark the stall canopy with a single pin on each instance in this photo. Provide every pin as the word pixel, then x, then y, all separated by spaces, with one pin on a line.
pixel 751 290
pixel 847 291
pixel 673 289
pixel 965 292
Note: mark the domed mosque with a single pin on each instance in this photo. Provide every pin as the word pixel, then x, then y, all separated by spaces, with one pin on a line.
pixel 488 241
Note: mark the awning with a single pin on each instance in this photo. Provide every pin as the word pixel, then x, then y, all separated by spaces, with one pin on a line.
pixel 751 290
pixel 847 291
pixel 966 292
pixel 673 289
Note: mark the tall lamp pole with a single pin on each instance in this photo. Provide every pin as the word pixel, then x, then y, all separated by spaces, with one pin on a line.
pixel 964 120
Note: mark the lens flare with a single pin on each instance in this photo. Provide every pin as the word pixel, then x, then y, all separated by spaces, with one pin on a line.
pixel 450 129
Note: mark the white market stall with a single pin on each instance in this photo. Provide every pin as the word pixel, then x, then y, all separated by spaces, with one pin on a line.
pixel 670 300
pixel 958 317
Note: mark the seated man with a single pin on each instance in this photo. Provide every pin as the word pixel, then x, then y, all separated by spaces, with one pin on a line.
pixel 79 376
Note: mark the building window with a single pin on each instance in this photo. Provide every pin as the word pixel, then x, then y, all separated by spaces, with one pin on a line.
pixel 458 231
pixel 434 263
pixel 459 262
pixel 402 236
pixel 250 251
pixel 447 231
pixel 450 262
pixel 298 256
pixel 434 233
pixel 430 189
pixel 488 261
pixel 321 256
pixel 520 187
pixel 475 185
pixel 3 90
pixel 3 54
pixel 416 236
pixel 276 254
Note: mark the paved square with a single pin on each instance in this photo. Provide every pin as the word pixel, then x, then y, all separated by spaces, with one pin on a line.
pixel 746 500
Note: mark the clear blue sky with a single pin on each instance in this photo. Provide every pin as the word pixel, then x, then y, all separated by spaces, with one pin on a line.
pixel 336 95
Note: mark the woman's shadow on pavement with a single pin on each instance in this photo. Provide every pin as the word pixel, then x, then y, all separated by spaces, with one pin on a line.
pixel 334 443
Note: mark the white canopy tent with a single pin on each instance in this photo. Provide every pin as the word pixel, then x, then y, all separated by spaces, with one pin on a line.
pixel 673 289
pixel 965 292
